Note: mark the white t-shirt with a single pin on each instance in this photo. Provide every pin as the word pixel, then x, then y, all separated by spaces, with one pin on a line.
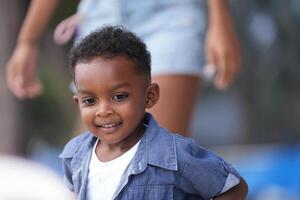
pixel 104 177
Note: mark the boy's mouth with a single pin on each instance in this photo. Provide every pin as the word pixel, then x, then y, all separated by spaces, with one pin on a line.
pixel 108 125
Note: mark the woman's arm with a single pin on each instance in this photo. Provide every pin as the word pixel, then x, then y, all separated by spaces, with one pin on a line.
pixel 36 20
pixel 21 67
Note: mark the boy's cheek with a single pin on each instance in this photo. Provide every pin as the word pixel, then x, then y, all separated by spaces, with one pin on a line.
pixel 85 114
pixel 86 119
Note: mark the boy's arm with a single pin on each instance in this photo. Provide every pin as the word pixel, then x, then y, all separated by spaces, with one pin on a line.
pixel 239 192
pixel 21 67
pixel 222 45
pixel 206 174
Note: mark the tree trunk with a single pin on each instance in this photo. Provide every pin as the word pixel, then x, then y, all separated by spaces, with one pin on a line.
pixel 10 20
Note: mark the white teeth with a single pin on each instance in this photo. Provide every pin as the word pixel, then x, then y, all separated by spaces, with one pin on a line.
pixel 109 125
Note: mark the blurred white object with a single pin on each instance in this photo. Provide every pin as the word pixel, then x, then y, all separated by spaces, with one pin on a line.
pixel 208 72
pixel 23 179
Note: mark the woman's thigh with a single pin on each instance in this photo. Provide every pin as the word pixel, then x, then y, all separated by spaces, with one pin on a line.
pixel 178 95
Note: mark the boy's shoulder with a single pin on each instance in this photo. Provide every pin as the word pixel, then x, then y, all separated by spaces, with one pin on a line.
pixel 188 150
pixel 172 143
pixel 184 147
pixel 183 144
pixel 75 144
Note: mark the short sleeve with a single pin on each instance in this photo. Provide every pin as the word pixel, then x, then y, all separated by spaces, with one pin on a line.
pixel 67 175
pixel 206 174
pixel 232 179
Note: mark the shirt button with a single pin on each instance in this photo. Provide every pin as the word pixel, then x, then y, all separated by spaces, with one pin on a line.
pixel 140 166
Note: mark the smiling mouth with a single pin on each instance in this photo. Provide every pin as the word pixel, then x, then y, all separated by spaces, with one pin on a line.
pixel 108 125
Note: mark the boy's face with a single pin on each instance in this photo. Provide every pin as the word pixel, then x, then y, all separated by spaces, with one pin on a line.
pixel 112 98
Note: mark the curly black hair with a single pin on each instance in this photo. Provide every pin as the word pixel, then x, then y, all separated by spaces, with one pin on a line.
pixel 110 42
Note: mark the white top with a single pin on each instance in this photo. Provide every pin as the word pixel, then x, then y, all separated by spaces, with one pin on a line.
pixel 104 177
pixel 25 179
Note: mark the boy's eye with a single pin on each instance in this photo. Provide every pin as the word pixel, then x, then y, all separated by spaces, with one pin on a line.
pixel 120 97
pixel 88 101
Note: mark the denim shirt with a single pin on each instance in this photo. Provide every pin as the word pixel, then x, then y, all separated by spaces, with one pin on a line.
pixel 165 166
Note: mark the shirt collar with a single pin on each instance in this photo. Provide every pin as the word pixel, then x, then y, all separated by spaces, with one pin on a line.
pixel 157 148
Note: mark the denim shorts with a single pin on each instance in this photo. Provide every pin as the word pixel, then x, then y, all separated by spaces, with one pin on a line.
pixel 173 30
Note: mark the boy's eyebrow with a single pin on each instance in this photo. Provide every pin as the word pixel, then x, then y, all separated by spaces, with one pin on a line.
pixel 120 85
pixel 83 91
pixel 114 87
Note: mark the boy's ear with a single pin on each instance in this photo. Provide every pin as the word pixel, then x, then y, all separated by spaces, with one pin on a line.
pixel 76 99
pixel 152 95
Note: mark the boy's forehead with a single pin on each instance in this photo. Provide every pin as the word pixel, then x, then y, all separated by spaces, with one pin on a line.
pixel 109 68
pixel 106 62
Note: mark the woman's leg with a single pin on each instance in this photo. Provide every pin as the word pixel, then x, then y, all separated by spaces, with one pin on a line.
pixel 178 95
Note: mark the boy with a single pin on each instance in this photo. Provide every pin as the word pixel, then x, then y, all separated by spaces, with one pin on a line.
pixel 125 154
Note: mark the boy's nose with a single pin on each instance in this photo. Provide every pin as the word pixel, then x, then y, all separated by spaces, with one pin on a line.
pixel 104 110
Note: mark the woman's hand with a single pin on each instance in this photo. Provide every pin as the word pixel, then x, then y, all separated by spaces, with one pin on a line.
pixel 21 71
pixel 222 45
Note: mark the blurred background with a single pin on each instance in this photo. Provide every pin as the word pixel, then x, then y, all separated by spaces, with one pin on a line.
pixel 255 124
